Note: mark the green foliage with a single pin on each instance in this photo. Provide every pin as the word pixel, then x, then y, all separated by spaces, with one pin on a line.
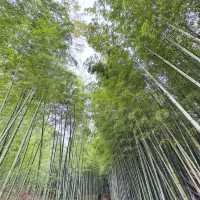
pixel 34 46
pixel 35 37
pixel 126 108
pixel 124 102
pixel 97 155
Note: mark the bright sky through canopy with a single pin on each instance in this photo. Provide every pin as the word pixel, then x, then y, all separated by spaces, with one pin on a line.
pixel 80 49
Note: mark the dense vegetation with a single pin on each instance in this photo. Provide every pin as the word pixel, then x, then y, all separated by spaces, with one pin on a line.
pixel 38 92
pixel 146 102
pixel 144 108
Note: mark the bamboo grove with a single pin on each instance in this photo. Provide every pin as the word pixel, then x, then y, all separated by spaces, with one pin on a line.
pixel 144 108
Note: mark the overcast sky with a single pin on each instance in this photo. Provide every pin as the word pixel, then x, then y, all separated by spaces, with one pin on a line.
pixel 80 48
pixel 86 3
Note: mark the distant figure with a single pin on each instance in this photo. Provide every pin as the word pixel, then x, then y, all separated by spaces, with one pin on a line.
pixel 104 196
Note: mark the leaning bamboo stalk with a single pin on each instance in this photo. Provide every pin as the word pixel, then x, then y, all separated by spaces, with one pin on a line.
pixel 185 137
pixel 158 167
pixel 176 103
pixel 195 142
pixel 175 68
pixel 41 140
pixel 144 193
pixel 142 163
pixel 154 172
pixel 184 160
pixel 185 155
pixel 154 185
pixel 171 171
pixel 18 172
pixel 30 165
pixel 187 167
pixel 185 33
pixel 16 183
pixel 46 189
pixel 6 97
pixel 7 147
pixel 133 178
pixel 183 49
pixel 25 139
pixel 10 124
pixel 165 180
pixel 123 181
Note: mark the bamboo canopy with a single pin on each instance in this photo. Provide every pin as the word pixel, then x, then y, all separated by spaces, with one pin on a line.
pixel 133 135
